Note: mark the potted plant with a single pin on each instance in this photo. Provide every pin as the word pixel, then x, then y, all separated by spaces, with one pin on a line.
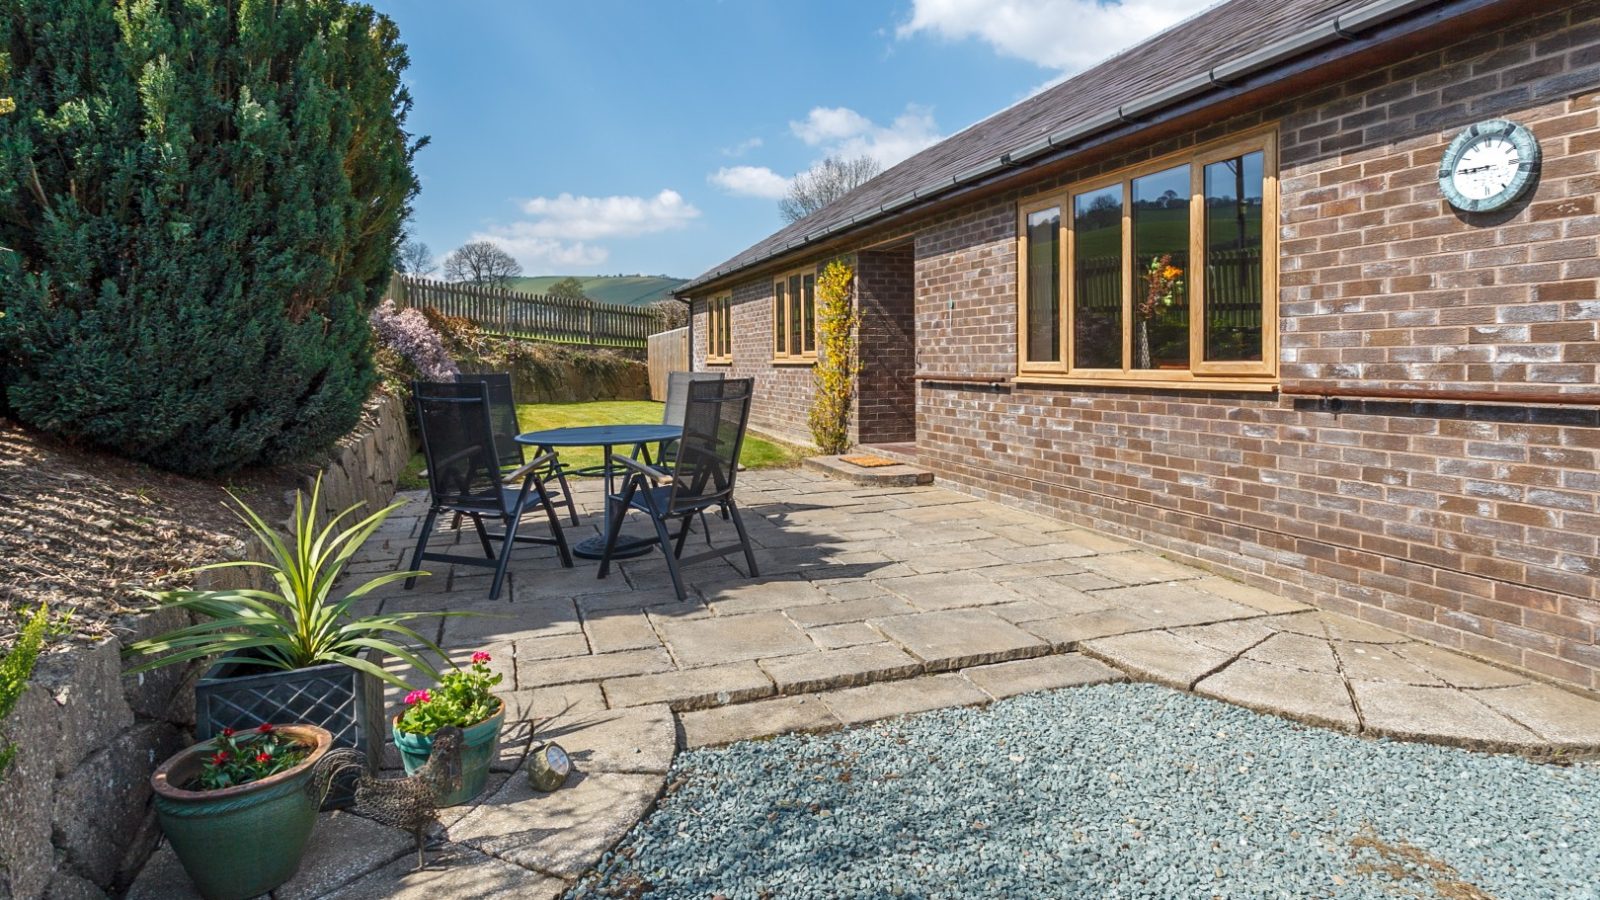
pixel 238 809
pixel 294 653
pixel 463 698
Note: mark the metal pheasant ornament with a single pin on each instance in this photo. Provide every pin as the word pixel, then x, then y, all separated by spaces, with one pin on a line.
pixel 411 803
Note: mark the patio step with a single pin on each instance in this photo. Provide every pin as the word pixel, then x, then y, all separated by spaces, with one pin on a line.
pixel 895 474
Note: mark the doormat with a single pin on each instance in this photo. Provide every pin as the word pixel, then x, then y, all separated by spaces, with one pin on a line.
pixel 869 462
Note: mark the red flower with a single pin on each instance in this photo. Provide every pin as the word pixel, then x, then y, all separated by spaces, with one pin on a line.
pixel 227 732
pixel 481 657
pixel 220 757
pixel 263 758
pixel 266 728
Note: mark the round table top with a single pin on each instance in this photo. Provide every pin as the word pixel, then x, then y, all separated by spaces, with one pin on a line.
pixel 600 435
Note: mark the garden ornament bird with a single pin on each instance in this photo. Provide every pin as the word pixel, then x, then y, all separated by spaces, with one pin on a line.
pixel 411 803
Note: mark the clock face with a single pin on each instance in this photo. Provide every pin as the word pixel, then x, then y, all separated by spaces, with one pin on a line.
pixel 1489 165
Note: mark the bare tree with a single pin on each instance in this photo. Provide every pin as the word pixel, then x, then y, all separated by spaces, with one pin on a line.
pixel 415 258
pixel 824 183
pixel 481 262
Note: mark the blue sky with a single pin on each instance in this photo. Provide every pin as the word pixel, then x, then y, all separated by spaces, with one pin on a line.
pixel 613 137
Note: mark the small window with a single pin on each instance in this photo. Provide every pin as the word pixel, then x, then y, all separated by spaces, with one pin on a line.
pixel 719 329
pixel 794 316
pixel 1159 274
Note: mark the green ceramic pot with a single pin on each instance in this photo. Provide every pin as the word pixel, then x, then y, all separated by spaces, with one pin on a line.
pixel 241 841
pixel 480 746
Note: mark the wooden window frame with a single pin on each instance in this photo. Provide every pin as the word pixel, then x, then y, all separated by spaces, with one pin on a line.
pixel 788 346
pixel 719 330
pixel 1245 375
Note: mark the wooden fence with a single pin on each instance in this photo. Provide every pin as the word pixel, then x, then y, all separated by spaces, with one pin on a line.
pixel 668 352
pixel 534 316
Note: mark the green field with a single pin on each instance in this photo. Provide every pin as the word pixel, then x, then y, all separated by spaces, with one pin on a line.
pixel 758 453
pixel 632 290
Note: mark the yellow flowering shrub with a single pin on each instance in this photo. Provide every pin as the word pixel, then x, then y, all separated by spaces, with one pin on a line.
pixel 837 360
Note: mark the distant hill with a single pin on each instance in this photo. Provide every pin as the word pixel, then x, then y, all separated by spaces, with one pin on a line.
pixel 633 290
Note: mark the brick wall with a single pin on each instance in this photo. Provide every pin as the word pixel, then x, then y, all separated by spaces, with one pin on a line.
pixel 782 392
pixel 886 391
pixel 1471 525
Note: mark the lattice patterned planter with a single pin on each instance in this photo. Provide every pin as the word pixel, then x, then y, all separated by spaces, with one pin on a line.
pixel 349 704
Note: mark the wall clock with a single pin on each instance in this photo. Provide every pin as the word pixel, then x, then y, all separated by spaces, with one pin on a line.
pixel 1489 165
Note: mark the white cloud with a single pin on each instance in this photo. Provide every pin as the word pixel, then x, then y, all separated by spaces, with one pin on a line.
pixel 1049 33
pixel 750 181
pixel 743 147
pixel 561 231
pixel 825 124
pixel 541 254
pixel 841 131
pixel 571 218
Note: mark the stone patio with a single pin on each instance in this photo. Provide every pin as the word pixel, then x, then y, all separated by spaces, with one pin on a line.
pixel 872 602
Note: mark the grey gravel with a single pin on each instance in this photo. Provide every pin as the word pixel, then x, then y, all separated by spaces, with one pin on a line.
pixel 1115 791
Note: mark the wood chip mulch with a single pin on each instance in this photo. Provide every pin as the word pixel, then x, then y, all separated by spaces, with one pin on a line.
pixel 83 530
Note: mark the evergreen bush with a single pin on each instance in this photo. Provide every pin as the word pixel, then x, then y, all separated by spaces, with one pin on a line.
pixel 837 361
pixel 204 199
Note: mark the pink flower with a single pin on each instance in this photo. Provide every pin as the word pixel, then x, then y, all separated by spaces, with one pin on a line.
pixel 415 697
pixel 481 657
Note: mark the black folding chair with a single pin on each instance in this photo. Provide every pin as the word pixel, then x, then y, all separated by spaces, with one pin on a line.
pixel 464 477
pixel 703 476
pixel 503 413
pixel 672 413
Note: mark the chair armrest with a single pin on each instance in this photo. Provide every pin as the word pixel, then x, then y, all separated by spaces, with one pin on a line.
pixel 531 466
pixel 638 468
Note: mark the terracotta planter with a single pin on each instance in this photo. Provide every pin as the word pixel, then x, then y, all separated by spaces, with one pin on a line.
pixel 241 841
pixel 480 746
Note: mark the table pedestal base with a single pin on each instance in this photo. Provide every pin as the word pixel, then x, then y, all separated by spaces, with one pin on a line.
pixel 628 546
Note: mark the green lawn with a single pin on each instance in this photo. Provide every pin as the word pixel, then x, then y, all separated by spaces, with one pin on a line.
pixel 758 453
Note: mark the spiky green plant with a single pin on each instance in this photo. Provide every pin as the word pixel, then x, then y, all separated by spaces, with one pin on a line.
pixel 298 625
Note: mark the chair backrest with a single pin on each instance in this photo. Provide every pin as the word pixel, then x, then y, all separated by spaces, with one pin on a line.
pixel 502 413
pixel 678 393
pixel 458 441
pixel 714 422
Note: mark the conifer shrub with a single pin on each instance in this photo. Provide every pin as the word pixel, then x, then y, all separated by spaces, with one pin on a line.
pixel 837 361
pixel 203 201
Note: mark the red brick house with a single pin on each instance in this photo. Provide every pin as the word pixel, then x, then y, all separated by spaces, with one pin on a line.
pixel 1260 292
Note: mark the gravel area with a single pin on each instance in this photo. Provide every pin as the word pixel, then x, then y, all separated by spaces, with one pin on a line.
pixel 1117 791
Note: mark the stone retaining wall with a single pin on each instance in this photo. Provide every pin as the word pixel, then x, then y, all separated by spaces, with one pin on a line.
pixel 75 813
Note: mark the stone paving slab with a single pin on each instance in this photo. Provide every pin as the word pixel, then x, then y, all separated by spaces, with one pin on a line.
pixel 1311 697
pixel 845 667
pixel 725 639
pixel 1044 673
pixel 561 833
pixel 692 688
pixel 845 634
pixel 454 873
pixel 953 639
pixel 1159 656
pixel 751 721
pixel 1438 714
pixel 853 706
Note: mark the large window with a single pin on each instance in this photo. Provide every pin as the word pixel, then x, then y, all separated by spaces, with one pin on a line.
pixel 719 329
pixel 794 316
pixel 1161 273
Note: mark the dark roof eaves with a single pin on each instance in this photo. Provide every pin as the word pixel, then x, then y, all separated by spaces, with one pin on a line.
pixel 1346 26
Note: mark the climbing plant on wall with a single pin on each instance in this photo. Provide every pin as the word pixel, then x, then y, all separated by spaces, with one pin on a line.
pixel 837 360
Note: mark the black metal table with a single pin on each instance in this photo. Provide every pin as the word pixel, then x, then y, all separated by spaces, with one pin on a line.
pixel 605 437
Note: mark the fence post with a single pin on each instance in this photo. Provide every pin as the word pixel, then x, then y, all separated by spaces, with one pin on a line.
pixel 592 336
